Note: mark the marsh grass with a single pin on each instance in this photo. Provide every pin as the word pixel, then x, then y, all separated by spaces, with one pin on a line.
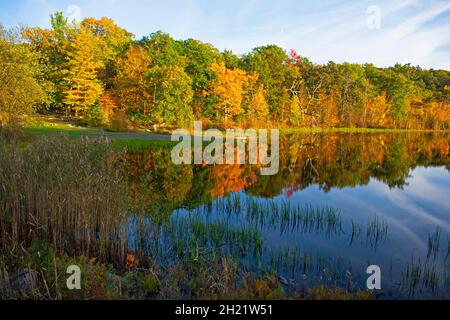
pixel 418 276
pixel 448 249
pixel 234 227
pixel 355 232
pixel 139 145
pixel 299 262
pixel 434 243
pixel 192 234
pixel 70 194
pixel 376 232
pixel 279 215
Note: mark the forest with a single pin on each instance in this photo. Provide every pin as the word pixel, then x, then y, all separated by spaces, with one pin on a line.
pixel 96 73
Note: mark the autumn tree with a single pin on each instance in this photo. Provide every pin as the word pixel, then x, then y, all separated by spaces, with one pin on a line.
pixel 52 46
pixel 101 113
pixel 399 88
pixel 228 87
pixel 112 41
pixel 115 37
pixel 172 95
pixel 199 58
pixel 269 63
pixel 377 111
pixel 20 73
pixel 83 88
pixel 258 111
pixel 293 104
pixel 131 87
pixel 163 50
pixel 446 94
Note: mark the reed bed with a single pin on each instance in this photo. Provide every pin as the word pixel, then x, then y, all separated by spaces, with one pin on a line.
pixel 69 194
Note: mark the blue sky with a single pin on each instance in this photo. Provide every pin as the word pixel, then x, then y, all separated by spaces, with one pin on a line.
pixel 409 31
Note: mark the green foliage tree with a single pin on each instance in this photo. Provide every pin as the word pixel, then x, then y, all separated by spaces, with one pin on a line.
pixel 163 50
pixel 199 58
pixel 52 47
pixel 20 79
pixel 172 95
pixel 269 63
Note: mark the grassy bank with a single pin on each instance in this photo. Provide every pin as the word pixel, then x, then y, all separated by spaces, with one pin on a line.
pixel 45 125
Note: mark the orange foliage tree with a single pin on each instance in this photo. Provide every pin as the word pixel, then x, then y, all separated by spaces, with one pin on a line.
pixel 130 85
pixel 229 88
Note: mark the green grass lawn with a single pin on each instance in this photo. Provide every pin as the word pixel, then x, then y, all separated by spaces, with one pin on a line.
pixel 134 145
pixel 137 141
pixel 47 125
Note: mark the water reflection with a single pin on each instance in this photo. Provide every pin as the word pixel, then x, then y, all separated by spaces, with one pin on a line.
pixel 339 203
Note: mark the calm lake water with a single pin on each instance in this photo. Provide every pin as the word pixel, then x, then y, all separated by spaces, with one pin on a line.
pixel 339 203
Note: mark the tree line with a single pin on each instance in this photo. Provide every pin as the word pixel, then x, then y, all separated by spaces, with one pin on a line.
pixel 98 73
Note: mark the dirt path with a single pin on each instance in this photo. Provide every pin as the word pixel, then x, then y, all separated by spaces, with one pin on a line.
pixel 143 136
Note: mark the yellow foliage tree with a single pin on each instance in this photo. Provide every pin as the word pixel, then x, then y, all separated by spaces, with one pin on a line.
pixel 377 111
pixel 259 108
pixel 131 87
pixel 294 116
pixel 329 112
pixel 229 87
pixel 20 89
pixel 83 89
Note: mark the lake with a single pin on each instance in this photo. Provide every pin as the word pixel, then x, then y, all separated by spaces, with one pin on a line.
pixel 339 203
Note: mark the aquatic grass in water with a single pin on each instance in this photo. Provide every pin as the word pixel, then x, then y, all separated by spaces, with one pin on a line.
pixel 448 249
pixel 433 243
pixel 279 215
pixel 234 226
pixel 377 231
pixel 355 233
pixel 189 234
pixel 301 264
pixel 418 276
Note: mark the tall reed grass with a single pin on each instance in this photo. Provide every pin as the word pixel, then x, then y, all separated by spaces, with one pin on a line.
pixel 70 194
